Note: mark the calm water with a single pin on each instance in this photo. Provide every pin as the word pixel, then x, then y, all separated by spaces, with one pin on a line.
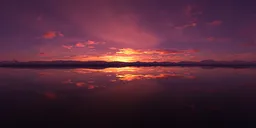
pixel 104 97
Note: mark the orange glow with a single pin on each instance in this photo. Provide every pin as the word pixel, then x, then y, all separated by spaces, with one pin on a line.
pixel 123 69
pixel 129 51
pixel 130 77
pixel 106 70
pixel 135 73
pixel 133 55
pixel 52 34
pixel 120 58
pixel 80 45
pixel 107 58
pixel 83 71
pixel 90 42
pixel 49 35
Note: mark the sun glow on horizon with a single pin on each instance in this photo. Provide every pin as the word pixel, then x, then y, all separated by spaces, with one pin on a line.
pixel 120 58
pixel 134 55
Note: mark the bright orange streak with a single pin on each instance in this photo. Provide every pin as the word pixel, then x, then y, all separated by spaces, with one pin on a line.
pixel 135 73
pixel 130 77
pixel 120 58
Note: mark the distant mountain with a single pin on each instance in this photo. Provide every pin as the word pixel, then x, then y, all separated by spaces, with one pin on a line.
pixel 74 64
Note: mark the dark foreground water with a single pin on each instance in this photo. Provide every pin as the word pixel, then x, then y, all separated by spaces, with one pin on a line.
pixel 129 96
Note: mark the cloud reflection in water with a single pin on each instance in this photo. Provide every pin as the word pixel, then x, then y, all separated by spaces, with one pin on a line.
pixel 135 73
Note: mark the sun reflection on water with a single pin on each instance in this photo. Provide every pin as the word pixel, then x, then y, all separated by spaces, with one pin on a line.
pixel 137 73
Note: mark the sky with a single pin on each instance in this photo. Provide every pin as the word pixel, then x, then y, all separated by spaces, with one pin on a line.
pixel 128 30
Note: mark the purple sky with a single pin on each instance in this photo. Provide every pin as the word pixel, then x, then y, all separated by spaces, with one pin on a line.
pixel 128 30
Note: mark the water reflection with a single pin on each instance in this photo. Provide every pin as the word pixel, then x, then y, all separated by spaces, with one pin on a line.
pixel 190 94
pixel 80 84
pixel 50 95
pixel 136 73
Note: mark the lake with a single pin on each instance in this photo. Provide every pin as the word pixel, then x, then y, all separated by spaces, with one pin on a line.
pixel 137 96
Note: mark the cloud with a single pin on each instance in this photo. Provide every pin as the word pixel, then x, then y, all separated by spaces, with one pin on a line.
pixel 60 34
pixel 186 26
pixel 49 35
pixel 131 55
pixel 52 34
pixel 67 46
pixel 215 23
pixel 91 42
pixel 113 48
pixel 80 45
pixel 129 51
pixel 191 15
pixel 91 87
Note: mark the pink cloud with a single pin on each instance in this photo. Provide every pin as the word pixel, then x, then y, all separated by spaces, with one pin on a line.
pixel 80 45
pixel 49 35
pixel 215 23
pixel 128 55
pixel 186 26
pixel 113 48
pixel 91 87
pixel 88 44
pixel 67 46
pixel 60 34
pixel 129 51
pixel 91 42
pixel 52 34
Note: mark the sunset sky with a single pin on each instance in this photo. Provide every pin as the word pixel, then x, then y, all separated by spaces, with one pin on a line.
pixel 128 30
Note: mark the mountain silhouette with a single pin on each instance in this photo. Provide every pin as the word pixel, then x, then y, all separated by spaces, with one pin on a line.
pixel 95 64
